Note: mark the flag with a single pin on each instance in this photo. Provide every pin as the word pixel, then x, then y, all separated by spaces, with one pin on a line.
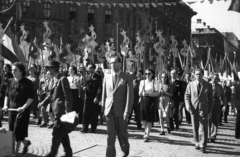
pixel 195 56
pixel 215 66
pixel 33 51
pixel 10 49
pixel 188 61
pixel 225 69
pixel 234 6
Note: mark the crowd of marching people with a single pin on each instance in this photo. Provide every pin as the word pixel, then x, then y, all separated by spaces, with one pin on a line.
pixel 50 92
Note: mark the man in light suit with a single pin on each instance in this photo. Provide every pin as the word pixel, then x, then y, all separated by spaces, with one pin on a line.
pixel 117 101
pixel 60 98
pixel 199 102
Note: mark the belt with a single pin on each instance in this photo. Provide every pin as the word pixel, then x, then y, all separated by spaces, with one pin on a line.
pixel 216 97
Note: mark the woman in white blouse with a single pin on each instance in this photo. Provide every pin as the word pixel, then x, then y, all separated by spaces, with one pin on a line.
pixel 74 82
pixel 148 91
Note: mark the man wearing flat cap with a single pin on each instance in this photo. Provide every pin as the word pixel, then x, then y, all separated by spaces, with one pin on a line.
pixel 60 98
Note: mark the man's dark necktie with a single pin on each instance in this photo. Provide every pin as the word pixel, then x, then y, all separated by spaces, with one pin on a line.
pixel 114 80
pixel 199 88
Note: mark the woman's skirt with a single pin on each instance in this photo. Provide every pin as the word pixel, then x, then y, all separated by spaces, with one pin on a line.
pixel 148 109
pixel 18 123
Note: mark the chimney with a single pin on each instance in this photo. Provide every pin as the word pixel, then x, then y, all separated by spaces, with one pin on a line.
pixel 204 24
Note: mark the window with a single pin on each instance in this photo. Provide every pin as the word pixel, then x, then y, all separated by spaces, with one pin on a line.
pixel 128 19
pixel 47 10
pixel 26 8
pixel 72 13
pixel 90 16
pixel 108 14
pixel 139 23
pixel 134 22
pixel 107 31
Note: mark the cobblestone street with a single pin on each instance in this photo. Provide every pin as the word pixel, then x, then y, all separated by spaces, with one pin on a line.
pixel 177 144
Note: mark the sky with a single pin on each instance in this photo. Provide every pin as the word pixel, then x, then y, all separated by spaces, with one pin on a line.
pixel 217 15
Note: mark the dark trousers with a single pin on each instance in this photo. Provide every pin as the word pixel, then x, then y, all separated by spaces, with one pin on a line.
pixel 136 110
pixel 225 113
pixel 200 128
pixel 116 126
pixel 188 116
pixel 214 119
pixel 180 114
pixel 1 117
pixel 60 136
pixel 237 127
pixel 81 104
pixel 175 116
pixel 90 114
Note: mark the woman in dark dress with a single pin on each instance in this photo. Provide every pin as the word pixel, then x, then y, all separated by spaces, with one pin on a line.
pixel 7 75
pixel 20 94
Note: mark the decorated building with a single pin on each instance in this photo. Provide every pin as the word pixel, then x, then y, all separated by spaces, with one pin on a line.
pixel 66 18
pixel 219 43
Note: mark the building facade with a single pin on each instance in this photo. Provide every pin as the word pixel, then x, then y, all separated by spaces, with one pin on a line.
pixel 66 18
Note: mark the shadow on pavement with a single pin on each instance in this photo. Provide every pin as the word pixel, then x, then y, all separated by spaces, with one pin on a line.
pixel 32 155
pixel 181 134
pixel 223 152
pixel 170 141
pixel 227 143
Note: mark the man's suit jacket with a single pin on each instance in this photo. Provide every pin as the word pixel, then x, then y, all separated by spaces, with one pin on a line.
pixel 203 100
pixel 94 87
pixel 120 98
pixel 178 90
pixel 238 96
pixel 60 96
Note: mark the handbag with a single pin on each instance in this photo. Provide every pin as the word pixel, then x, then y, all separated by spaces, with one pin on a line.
pixel 70 120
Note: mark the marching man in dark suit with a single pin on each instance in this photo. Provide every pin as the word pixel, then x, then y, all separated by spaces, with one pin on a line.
pixel 117 101
pixel 178 90
pixel 218 96
pixel 199 102
pixel 93 93
pixel 60 98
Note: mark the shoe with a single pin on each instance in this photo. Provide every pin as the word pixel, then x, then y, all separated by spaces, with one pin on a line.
pixel 203 150
pixel 39 121
pixel 197 147
pixel 83 131
pixel 168 130
pixel 162 133
pixel 25 148
pixel 50 126
pixel 177 127
pixel 146 139
pixel 211 140
pixel 44 125
pixel 93 131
